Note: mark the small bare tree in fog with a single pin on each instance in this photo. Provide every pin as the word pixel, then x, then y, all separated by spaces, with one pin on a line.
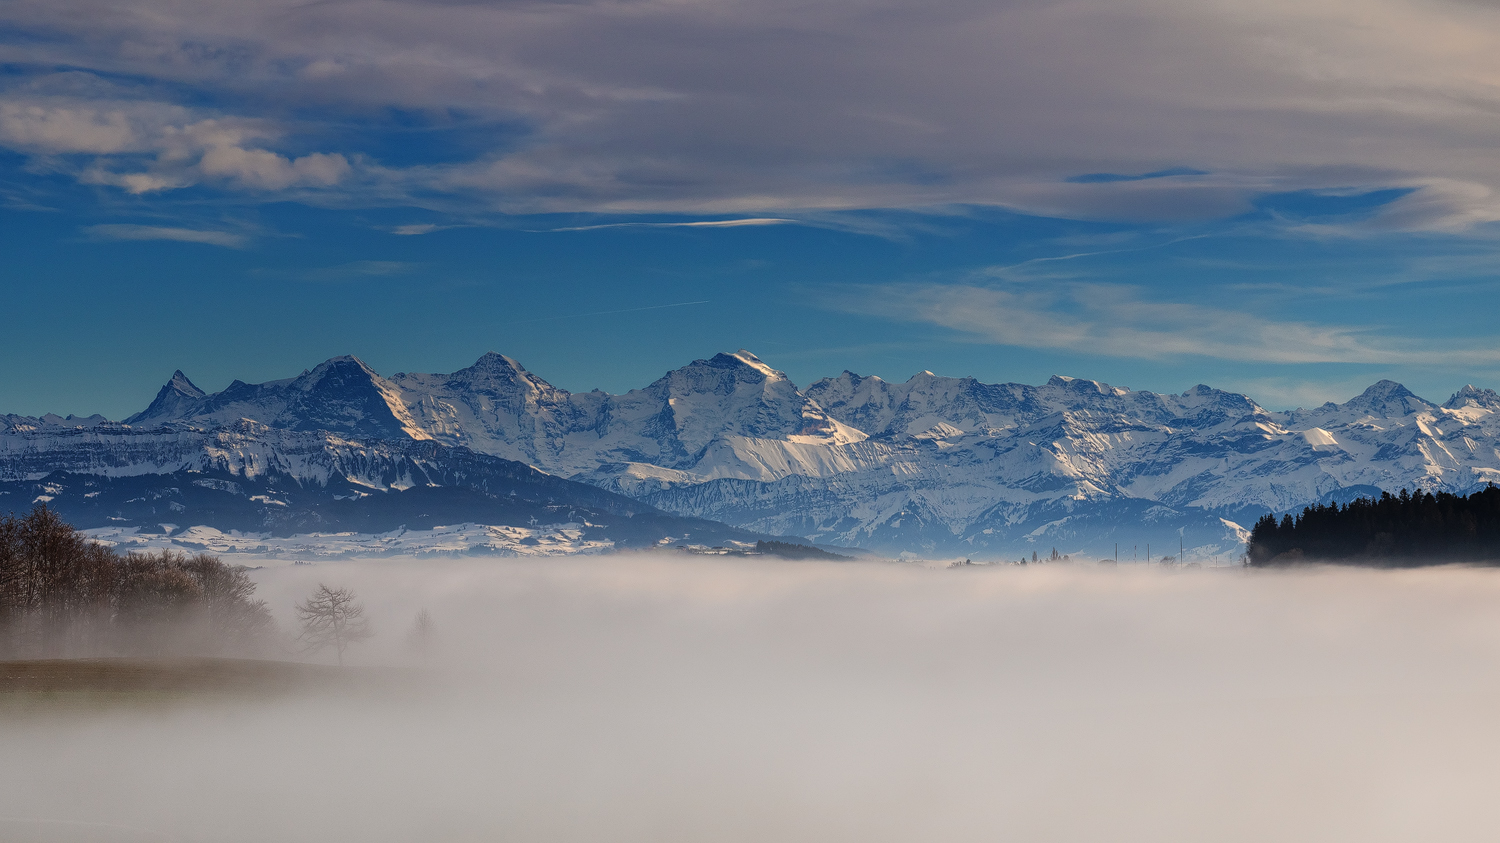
pixel 421 632
pixel 332 618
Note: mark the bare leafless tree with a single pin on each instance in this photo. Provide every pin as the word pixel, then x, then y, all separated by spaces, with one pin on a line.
pixel 234 616
pixel 331 617
pixel 420 638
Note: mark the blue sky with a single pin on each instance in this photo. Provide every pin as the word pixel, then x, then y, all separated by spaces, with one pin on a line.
pixel 1153 195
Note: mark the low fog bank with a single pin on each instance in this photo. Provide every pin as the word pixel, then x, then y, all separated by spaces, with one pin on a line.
pixel 640 698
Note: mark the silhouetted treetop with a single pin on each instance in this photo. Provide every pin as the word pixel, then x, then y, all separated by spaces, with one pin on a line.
pixel 1403 530
pixel 62 594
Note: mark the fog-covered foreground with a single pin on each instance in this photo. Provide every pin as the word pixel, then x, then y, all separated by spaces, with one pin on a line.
pixel 640 699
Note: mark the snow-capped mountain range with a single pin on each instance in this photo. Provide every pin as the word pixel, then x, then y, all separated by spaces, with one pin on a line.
pixel 935 465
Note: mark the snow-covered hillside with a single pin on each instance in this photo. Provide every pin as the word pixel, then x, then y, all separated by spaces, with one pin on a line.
pixel 935 465
pixel 237 547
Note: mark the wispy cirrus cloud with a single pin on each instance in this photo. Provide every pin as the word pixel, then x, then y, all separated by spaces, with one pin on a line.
pixel 1125 321
pixel 122 231
pixel 754 221
pixel 416 229
pixel 345 272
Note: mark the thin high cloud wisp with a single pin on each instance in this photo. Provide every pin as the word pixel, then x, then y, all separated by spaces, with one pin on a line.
pixel 1119 320
pixel 654 698
pixel 122 231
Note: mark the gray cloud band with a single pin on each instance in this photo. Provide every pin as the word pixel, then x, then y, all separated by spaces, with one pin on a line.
pixel 755 107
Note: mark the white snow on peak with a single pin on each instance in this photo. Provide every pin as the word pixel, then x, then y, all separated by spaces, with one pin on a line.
pixel 333 365
pixel 493 361
pixel 940 431
pixel 1473 397
pixel 1318 438
pixel 755 363
pixel 179 383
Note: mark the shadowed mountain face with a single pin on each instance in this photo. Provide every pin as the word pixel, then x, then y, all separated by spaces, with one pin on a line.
pixel 932 465
pixel 341 395
pixel 176 400
pixel 252 478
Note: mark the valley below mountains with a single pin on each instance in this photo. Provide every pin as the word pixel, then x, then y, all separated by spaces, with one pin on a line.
pixel 725 450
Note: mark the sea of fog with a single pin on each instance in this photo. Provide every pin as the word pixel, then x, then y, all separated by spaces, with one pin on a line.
pixel 640 698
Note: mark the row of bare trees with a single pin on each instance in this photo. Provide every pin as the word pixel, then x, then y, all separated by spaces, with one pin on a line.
pixel 63 595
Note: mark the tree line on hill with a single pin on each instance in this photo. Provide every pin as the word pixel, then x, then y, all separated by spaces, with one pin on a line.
pixel 63 595
pixel 1404 530
pixel 790 550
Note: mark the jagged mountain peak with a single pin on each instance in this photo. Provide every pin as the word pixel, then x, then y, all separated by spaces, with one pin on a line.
pixel 492 372
pixel 1472 396
pixel 491 368
pixel 1384 399
pixel 1388 395
pixel 180 384
pixel 341 394
pixel 176 397
pixel 71 420
pixel 500 372
pixel 1086 386
pixel 846 380
pixel 492 361
pixel 1385 387
pixel 345 365
pixel 743 358
pixel 1204 394
pixel 722 373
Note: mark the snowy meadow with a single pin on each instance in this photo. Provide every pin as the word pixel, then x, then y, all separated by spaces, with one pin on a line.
pixel 659 698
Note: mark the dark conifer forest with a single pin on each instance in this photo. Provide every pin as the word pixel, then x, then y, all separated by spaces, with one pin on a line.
pixel 1405 530
pixel 62 595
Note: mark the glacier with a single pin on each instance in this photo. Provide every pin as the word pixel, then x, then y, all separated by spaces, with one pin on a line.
pixel 935 466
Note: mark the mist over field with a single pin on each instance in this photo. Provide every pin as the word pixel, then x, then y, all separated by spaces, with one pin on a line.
pixel 641 698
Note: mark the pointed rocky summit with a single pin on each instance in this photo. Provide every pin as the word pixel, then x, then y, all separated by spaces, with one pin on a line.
pixel 177 397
